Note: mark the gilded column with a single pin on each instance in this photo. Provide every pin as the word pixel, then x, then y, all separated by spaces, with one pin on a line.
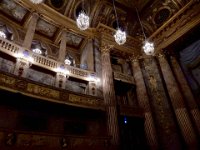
pixel 143 101
pixel 178 104
pixel 187 93
pixel 109 94
pixel 62 50
pixel 30 31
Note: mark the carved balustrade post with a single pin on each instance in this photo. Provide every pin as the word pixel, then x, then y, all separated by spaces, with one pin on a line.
pixel 61 80
pixel 62 50
pixel 30 31
pixel 143 101
pixel 187 93
pixel 178 105
pixel 109 94
pixel 21 67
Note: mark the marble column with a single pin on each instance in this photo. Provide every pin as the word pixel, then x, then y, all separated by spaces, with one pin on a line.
pixel 143 101
pixel 30 31
pixel 187 93
pixel 109 94
pixel 62 50
pixel 178 105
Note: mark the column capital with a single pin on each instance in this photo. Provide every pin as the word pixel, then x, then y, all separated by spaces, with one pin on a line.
pixel 173 58
pixel 161 56
pixel 63 33
pixel 106 47
pixel 35 15
pixel 134 58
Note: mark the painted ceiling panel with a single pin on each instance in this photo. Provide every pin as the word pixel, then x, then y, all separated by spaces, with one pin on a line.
pixel 12 9
pixel 46 28
pixel 74 40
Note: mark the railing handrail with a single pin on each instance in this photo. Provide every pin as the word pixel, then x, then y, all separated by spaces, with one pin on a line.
pixel 43 61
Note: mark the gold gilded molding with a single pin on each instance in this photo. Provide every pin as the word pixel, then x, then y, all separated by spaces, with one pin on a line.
pixel 7 81
pixel 26 87
pixel 184 20
pixel 84 100
pixel 43 91
pixel 124 78
pixel 106 48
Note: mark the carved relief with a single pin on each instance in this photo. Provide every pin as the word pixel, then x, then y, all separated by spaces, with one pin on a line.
pixel 7 81
pixel 42 91
pixel 73 40
pixel 45 28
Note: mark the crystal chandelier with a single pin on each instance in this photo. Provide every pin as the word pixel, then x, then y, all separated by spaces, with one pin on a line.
pixel 37 51
pixel 83 21
pixel 36 1
pixel 120 36
pixel 2 35
pixel 67 61
pixel 148 47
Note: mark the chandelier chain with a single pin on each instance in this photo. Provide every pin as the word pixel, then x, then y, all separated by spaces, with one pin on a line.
pixel 140 23
pixel 83 6
pixel 115 13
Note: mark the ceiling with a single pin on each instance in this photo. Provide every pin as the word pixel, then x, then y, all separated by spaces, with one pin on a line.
pixel 153 14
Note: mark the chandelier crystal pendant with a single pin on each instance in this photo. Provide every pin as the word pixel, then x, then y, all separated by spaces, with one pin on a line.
pixel 37 51
pixel 36 1
pixel 67 61
pixel 2 34
pixel 83 21
pixel 148 48
pixel 120 36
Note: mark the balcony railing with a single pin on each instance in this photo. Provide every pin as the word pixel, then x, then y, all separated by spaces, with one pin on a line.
pixel 8 47
pixel 15 50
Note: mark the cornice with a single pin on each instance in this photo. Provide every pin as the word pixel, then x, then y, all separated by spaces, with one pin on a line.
pixel 184 20
pixel 106 33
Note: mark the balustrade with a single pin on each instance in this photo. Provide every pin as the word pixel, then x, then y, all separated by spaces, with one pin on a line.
pixel 8 47
pixel 14 50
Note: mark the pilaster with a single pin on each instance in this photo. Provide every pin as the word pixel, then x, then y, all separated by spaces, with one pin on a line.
pixel 30 31
pixel 178 105
pixel 109 93
pixel 143 101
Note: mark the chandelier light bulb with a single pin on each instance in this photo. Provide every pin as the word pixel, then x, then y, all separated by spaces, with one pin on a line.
pixel 120 36
pixel 37 51
pixel 36 1
pixel 2 34
pixel 148 48
pixel 67 61
pixel 83 21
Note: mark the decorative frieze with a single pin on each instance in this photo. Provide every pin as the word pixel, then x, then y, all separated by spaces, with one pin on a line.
pixel 30 140
pixel 12 83
pixel 123 77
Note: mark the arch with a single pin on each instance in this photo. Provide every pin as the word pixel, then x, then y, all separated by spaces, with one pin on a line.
pixel 11 29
